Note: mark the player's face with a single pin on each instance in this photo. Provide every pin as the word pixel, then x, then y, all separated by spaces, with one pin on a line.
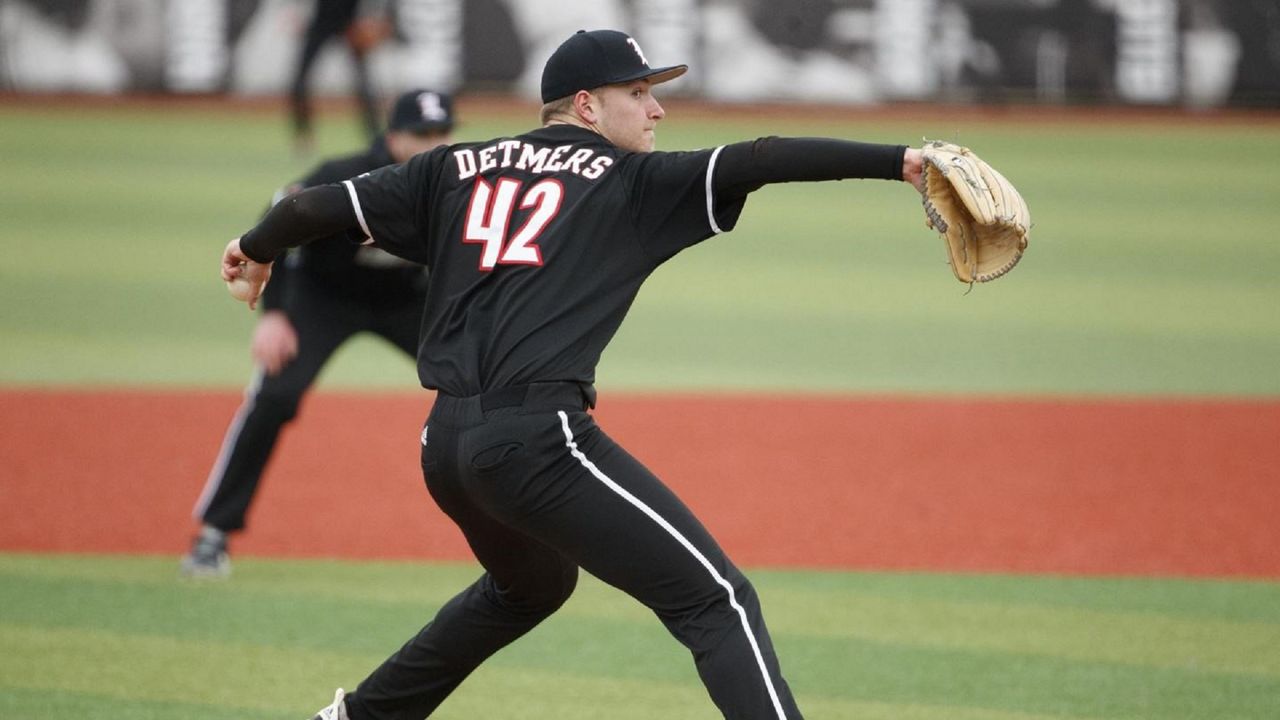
pixel 628 115
pixel 404 145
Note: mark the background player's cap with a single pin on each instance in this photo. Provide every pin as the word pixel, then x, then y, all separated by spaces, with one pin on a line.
pixel 588 60
pixel 421 112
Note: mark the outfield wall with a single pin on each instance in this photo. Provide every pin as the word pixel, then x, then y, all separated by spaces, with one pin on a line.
pixel 1196 53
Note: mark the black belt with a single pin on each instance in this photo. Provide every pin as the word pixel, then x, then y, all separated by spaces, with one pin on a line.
pixel 569 394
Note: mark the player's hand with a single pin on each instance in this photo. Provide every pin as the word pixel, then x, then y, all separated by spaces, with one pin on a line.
pixel 233 258
pixel 275 342
pixel 245 278
pixel 913 168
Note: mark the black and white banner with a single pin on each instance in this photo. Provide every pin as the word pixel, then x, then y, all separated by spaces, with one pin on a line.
pixel 1200 53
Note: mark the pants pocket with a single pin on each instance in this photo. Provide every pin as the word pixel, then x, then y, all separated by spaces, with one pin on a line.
pixel 495 456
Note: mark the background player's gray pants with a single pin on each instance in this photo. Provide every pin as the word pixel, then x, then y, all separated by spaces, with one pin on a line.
pixel 539 490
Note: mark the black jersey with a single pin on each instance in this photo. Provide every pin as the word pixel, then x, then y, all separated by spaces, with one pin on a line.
pixel 339 263
pixel 537 244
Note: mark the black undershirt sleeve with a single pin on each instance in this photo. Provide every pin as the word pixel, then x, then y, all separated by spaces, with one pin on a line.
pixel 308 215
pixel 273 293
pixel 744 167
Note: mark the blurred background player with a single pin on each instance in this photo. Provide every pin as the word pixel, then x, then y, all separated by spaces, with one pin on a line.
pixel 318 297
pixel 362 25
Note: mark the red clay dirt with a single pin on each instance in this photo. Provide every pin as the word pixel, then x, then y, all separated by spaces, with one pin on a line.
pixel 1140 487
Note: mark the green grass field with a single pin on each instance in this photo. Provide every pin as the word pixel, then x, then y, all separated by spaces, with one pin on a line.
pixel 1151 268
pixel 1152 271
pixel 80 634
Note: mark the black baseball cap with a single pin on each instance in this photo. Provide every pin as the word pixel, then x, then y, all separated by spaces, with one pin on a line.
pixel 588 60
pixel 422 111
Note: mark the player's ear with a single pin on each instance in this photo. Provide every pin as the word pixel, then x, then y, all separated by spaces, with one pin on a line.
pixel 587 106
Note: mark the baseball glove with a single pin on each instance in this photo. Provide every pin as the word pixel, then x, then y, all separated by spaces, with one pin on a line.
pixel 980 215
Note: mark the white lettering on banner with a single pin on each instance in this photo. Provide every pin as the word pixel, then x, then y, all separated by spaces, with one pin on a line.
pixel 1147 50
pixel 196 45
pixel 905 52
pixel 671 30
pixel 433 42
pixel 530 158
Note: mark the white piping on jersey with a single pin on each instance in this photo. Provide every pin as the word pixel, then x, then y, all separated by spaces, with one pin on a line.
pixel 711 204
pixel 355 204
pixel 680 538
pixel 216 475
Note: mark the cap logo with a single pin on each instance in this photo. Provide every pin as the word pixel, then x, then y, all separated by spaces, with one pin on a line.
pixel 636 46
pixel 430 107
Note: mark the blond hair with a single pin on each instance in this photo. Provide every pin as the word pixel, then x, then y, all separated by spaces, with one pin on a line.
pixel 559 106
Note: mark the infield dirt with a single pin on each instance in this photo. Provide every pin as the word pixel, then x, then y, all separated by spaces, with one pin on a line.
pixel 1099 487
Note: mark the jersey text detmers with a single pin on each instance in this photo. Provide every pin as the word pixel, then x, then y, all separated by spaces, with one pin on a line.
pixel 537 246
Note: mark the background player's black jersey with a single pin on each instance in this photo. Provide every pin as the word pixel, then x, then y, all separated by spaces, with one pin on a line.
pixel 339 264
pixel 538 245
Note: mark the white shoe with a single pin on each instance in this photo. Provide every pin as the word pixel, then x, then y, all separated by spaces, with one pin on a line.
pixel 336 711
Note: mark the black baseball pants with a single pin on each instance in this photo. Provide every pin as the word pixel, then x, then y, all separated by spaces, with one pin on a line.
pixel 539 490
pixel 324 321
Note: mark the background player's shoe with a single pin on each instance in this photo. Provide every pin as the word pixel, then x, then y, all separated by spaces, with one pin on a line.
pixel 208 557
pixel 335 711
